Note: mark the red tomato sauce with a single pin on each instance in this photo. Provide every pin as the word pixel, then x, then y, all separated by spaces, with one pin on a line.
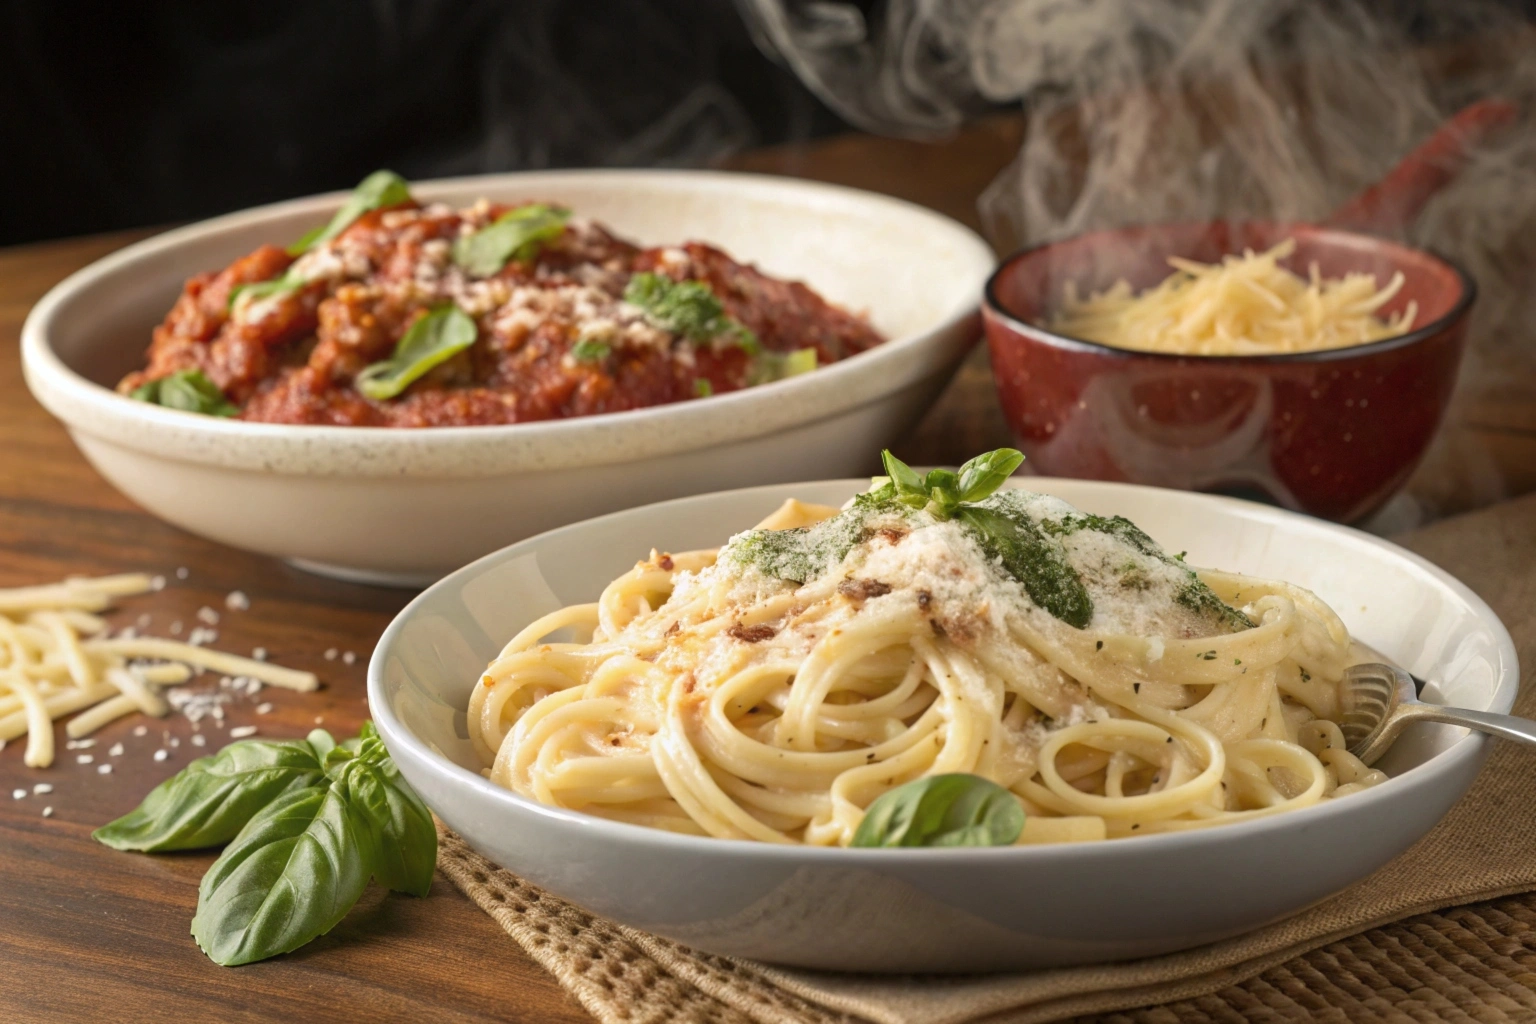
pixel 293 357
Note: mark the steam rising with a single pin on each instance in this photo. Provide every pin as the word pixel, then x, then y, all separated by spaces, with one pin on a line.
pixel 1161 110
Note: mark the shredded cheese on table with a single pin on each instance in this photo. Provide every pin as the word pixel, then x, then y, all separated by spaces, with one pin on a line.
pixel 1244 305
pixel 56 659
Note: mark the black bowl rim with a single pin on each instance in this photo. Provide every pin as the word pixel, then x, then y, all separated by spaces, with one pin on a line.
pixel 994 307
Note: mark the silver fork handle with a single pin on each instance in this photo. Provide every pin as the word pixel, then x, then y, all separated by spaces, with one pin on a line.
pixel 1508 726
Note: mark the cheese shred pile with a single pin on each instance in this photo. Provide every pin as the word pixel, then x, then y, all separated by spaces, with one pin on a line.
pixel 1245 305
pixel 56 659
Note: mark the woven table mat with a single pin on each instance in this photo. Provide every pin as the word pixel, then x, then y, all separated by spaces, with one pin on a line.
pixel 1386 949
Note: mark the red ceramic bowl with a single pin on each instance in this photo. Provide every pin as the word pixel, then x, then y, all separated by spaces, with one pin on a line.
pixel 1334 433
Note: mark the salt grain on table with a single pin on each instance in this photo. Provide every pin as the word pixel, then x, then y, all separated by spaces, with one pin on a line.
pixel 161 755
pixel 41 788
pixel 104 769
pixel 47 812
pixel 83 759
pixel 264 709
pixel 157 583
pixel 141 730
pixel 199 740
pixel 330 654
pixel 242 732
pixel 17 794
pixel 207 615
pixel 260 654
pixel 348 658
pixel 176 628
pixel 182 573
pixel 237 601
pixel 116 750
pixel 202 635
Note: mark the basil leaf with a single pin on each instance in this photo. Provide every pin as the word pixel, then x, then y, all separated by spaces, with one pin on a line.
pixel 984 474
pixel 1029 557
pixel 516 234
pixel 210 800
pixel 942 810
pixel 909 486
pixel 405 839
pixel 689 309
pixel 290 875
pixel 322 742
pixel 590 350
pixel 379 190
pixel 286 282
pixel 186 391
pixel 433 339
pixel 942 486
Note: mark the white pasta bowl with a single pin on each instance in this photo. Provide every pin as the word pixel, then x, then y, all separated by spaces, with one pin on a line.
pixel 406 506
pixel 947 909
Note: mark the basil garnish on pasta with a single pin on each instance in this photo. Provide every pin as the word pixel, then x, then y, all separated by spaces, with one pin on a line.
pixel 515 235
pixel 187 391
pixel 942 810
pixel 308 823
pixel 430 341
pixel 380 190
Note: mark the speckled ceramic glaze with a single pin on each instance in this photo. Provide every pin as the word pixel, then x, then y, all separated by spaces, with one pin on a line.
pixel 408 505
pixel 947 909
pixel 1333 433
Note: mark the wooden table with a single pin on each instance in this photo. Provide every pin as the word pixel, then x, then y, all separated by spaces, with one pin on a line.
pixel 90 934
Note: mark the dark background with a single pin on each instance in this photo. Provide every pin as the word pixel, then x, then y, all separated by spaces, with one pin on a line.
pixel 145 112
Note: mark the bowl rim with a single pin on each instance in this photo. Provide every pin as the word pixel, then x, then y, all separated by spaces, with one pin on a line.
pixel 46 370
pixel 1467 748
pixel 993 308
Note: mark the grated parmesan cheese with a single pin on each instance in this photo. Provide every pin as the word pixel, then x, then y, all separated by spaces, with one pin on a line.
pixel 1244 305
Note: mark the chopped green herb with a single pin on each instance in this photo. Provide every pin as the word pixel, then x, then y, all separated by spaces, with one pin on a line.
pixel 703 388
pixel 1208 655
pixel 515 235
pixel 687 308
pixel 1033 560
pixel 187 391
pixel 430 341
pixel 1237 661
pixel 1099 645
pixel 1306 676
pixel 590 350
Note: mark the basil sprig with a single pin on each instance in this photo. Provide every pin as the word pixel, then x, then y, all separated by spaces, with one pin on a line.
pixel 378 191
pixel 430 341
pixel 211 799
pixel 942 810
pixel 942 491
pixel 516 234
pixel 308 823
pixel 188 391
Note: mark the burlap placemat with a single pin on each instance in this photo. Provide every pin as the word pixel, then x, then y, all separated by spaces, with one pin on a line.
pixel 1385 949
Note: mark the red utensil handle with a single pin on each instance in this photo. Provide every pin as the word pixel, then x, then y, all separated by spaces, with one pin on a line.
pixel 1397 200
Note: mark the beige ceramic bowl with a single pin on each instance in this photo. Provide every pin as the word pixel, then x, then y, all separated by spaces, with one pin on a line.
pixel 406 506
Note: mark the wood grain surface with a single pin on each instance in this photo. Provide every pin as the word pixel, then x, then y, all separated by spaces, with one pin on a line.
pixel 90 934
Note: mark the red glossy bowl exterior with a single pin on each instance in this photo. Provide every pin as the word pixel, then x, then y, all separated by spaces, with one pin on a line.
pixel 1333 433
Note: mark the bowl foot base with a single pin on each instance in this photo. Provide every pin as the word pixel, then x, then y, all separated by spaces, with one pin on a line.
pixel 373 578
